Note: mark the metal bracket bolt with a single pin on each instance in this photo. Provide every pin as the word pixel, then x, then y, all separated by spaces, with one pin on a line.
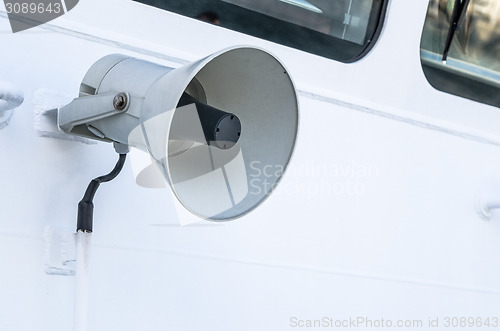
pixel 120 101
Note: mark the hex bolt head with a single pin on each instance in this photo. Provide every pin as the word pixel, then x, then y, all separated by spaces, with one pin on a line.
pixel 120 101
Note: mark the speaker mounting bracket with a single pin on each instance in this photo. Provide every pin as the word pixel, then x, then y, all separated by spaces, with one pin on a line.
pixel 73 117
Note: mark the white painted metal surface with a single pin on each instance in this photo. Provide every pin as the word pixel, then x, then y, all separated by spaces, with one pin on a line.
pixel 375 218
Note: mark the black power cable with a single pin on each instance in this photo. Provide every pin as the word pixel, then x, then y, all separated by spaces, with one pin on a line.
pixel 85 206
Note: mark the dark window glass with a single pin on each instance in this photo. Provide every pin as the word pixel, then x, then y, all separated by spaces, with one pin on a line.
pixel 460 48
pixel 342 30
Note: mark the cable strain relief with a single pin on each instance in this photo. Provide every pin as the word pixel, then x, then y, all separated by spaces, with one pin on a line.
pixel 85 216
pixel 121 148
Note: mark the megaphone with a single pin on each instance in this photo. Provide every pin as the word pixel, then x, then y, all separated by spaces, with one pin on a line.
pixel 220 131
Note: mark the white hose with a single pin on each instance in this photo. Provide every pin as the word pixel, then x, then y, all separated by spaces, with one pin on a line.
pixel 82 280
pixel 10 96
pixel 486 205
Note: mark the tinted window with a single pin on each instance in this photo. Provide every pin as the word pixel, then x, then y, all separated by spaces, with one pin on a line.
pixel 460 48
pixel 343 30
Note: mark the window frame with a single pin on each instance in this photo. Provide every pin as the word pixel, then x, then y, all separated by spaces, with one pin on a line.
pixel 457 76
pixel 316 43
